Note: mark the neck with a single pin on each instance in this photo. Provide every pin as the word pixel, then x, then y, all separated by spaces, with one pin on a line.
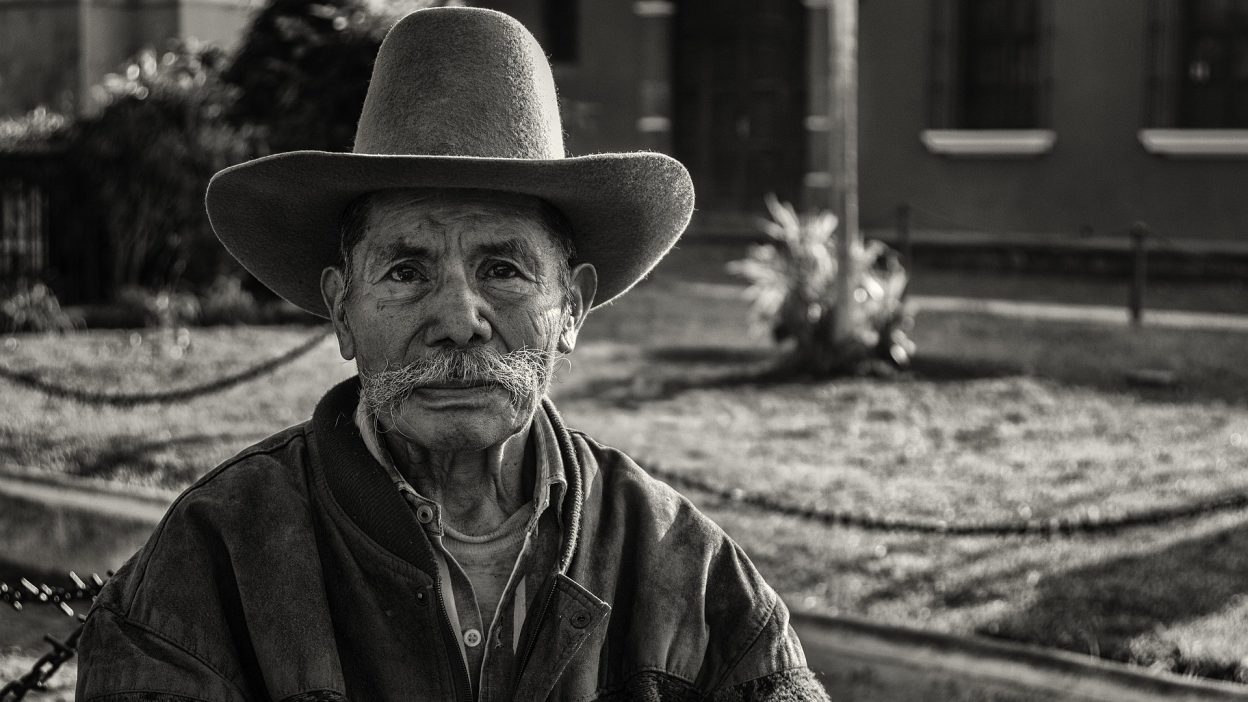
pixel 478 490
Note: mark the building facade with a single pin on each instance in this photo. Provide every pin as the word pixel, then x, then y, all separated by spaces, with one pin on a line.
pixel 1037 118
pixel 53 51
pixel 1024 118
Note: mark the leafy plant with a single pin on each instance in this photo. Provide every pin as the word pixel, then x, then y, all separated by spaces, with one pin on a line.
pixel 146 156
pixel 36 130
pixel 33 308
pixel 793 293
pixel 163 308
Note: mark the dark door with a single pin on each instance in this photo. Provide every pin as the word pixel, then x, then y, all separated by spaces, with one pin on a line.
pixel 740 99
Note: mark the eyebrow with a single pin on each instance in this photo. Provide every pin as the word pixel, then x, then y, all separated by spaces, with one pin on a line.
pixel 515 248
pixel 400 249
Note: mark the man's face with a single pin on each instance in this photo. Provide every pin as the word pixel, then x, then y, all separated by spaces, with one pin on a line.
pixel 439 271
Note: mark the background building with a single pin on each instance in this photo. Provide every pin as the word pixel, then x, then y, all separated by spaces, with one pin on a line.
pixel 1029 119
pixel 53 51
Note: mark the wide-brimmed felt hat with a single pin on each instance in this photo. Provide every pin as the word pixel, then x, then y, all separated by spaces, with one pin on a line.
pixel 459 98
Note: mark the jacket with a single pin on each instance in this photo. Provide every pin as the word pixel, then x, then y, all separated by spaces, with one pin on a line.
pixel 295 572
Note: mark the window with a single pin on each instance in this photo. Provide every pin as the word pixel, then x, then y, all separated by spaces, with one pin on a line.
pixel 1197 104
pixel 1213 73
pixel 990 64
pixel 559 22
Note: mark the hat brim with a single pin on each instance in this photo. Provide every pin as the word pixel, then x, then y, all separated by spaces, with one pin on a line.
pixel 279 215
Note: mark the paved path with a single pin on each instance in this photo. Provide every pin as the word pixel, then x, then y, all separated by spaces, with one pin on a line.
pixel 109 502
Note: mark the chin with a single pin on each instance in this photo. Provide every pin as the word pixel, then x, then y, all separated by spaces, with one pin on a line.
pixel 473 423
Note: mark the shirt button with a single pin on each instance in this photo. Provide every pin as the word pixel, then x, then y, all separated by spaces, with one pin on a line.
pixel 424 514
pixel 472 637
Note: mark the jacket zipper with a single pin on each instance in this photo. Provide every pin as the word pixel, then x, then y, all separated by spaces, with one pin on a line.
pixel 537 626
pixel 463 664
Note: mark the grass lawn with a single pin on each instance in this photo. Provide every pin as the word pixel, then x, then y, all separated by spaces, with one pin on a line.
pixel 1000 419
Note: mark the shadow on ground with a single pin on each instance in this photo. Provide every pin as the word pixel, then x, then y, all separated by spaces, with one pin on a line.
pixel 1117 608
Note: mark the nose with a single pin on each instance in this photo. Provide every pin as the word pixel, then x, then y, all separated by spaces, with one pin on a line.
pixel 455 314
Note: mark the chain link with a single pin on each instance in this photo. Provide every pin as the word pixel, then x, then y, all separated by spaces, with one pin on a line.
pixel 27 592
pixel 1048 528
pixel 44 668
pixel 61 651
pixel 129 399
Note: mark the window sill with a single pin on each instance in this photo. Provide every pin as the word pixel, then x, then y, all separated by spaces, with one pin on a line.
pixel 989 143
pixel 1198 143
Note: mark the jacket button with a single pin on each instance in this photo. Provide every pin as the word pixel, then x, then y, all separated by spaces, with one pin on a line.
pixel 580 620
pixel 422 597
pixel 424 514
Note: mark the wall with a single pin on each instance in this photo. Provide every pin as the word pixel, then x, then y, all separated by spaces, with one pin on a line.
pixel 1097 175
pixel 599 93
pixel 38 54
pixel 53 51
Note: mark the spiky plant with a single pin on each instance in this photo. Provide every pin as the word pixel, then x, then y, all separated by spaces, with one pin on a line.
pixel 793 294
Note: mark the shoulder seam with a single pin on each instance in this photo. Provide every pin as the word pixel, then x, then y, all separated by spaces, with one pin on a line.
pixel 204 480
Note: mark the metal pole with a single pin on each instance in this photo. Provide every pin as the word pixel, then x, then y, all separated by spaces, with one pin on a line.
pixel 1139 251
pixel 843 156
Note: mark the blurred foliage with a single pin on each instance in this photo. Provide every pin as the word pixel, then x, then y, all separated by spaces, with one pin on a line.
pixel 226 301
pixel 146 157
pixel 303 68
pixel 36 130
pixel 159 308
pixel 793 291
pixel 33 307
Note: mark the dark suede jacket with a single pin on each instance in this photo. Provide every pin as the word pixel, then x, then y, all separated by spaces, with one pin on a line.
pixel 296 572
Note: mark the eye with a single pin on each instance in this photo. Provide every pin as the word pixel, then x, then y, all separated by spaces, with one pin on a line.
pixel 500 269
pixel 404 273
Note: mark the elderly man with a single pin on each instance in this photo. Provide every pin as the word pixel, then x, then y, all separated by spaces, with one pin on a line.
pixel 434 531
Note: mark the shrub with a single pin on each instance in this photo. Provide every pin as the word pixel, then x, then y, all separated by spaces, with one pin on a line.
pixel 145 159
pixel 33 308
pixel 161 308
pixel 36 130
pixel 228 302
pixel 793 291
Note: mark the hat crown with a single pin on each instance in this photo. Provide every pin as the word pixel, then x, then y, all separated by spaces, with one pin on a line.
pixel 460 81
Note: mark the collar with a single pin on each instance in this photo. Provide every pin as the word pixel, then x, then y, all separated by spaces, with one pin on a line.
pixel 549 485
pixel 365 492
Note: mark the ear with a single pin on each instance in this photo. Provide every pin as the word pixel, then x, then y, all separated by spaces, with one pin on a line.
pixel 580 300
pixel 335 301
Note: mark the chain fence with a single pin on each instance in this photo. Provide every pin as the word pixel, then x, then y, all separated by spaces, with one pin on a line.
pixel 1084 525
pixel 164 397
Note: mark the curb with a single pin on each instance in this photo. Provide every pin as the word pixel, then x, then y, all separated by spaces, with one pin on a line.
pixel 868 661
pixel 66 523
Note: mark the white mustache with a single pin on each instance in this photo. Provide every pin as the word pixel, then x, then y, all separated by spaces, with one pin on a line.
pixel 521 373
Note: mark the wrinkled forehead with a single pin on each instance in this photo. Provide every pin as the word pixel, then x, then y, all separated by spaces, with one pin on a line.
pixel 438 217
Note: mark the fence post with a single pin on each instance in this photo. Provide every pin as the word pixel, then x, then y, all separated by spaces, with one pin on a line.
pixel 1139 255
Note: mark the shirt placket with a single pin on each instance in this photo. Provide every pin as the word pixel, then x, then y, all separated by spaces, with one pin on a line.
pixel 458 596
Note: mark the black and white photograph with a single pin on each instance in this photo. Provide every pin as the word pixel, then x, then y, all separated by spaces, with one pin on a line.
pixel 615 350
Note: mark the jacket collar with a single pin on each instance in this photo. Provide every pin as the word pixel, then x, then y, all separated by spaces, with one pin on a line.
pixel 366 492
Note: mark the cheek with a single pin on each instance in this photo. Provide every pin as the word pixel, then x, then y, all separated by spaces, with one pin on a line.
pixel 382 333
